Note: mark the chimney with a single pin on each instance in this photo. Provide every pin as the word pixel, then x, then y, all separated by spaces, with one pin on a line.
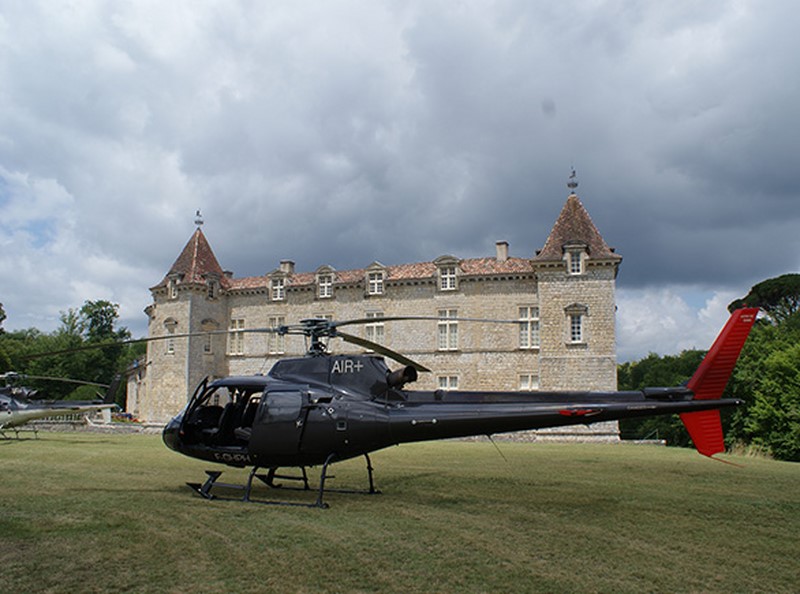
pixel 287 266
pixel 502 251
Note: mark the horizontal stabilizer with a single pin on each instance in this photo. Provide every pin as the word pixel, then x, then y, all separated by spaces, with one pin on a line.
pixel 705 429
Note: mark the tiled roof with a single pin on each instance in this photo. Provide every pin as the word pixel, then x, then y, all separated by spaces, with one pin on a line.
pixel 401 272
pixel 196 261
pixel 574 225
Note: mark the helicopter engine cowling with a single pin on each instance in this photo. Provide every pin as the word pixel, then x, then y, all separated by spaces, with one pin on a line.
pixel 400 377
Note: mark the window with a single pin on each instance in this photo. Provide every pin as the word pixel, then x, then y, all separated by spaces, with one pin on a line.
pixel 236 337
pixel 212 290
pixel 575 262
pixel 325 286
pixel 170 324
pixel 448 330
pixel 447 278
pixel 576 330
pixel 278 289
pixel 276 343
pixel 209 326
pixel 575 327
pixel 375 283
pixel 528 327
pixel 173 289
pixel 528 382
pixel 448 382
pixel 374 331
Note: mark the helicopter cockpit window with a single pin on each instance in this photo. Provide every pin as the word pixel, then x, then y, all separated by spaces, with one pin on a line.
pixel 283 406
pixel 221 411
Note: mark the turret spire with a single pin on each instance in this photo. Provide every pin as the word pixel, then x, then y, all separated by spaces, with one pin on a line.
pixel 571 184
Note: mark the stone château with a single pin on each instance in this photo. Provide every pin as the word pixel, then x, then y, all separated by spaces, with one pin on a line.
pixel 563 296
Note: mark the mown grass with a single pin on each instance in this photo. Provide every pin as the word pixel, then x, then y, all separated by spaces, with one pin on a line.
pixel 99 513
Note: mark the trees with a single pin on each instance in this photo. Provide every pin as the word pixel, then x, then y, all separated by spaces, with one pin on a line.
pixel 766 379
pixel 655 371
pixel 779 297
pixel 94 323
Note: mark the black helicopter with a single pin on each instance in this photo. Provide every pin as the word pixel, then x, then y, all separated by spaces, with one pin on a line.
pixel 20 405
pixel 324 408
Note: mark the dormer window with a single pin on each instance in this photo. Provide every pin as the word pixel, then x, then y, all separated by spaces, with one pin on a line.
pixel 447 278
pixel 375 283
pixel 575 263
pixel 325 286
pixel 575 255
pixel 278 286
pixel 447 271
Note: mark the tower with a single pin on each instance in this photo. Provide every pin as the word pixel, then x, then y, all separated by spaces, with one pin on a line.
pixel 576 271
pixel 189 299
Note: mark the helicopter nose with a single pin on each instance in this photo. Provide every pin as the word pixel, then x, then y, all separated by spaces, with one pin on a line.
pixel 171 435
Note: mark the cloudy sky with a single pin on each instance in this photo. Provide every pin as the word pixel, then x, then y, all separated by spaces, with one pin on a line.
pixel 345 132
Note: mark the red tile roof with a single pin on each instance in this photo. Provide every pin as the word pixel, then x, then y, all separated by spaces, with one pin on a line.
pixel 195 263
pixel 401 272
pixel 574 225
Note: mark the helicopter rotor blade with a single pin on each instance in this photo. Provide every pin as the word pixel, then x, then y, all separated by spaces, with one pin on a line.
pixel 25 376
pixel 104 345
pixel 374 346
pixel 379 319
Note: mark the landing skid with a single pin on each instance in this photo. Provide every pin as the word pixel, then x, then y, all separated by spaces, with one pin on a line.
pixel 17 430
pixel 268 479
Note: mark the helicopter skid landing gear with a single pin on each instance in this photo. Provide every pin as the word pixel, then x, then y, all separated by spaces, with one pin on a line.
pixel 268 479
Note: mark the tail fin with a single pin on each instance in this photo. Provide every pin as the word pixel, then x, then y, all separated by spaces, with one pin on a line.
pixel 711 377
pixel 112 389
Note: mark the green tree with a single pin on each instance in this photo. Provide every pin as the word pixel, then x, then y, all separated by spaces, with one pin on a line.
pixel 5 360
pixel 656 371
pixel 767 380
pixel 93 324
pixel 779 297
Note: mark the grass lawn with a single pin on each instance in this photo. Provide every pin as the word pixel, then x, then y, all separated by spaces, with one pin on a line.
pixel 108 513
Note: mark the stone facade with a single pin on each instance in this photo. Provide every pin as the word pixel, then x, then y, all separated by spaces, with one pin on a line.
pixel 564 294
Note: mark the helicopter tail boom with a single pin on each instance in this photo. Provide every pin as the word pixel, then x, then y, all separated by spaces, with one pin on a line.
pixel 710 379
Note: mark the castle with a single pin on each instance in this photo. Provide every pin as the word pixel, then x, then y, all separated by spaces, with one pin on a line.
pixel 563 296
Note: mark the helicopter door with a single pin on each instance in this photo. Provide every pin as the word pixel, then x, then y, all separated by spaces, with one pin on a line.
pixel 279 425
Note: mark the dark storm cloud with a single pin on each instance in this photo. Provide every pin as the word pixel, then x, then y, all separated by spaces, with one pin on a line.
pixel 343 133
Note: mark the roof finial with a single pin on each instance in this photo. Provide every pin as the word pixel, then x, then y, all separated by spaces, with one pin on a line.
pixel 573 182
pixel 198 219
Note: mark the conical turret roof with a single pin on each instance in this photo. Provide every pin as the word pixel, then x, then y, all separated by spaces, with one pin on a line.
pixel 196 263
pixel 575 226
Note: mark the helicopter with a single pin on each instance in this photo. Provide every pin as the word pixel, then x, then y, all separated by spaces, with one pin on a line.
pixel 19 405
pixel 324 408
